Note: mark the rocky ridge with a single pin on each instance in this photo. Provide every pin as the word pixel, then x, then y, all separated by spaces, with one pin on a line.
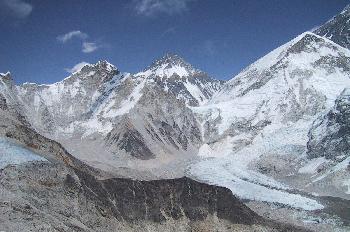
pixel 337 29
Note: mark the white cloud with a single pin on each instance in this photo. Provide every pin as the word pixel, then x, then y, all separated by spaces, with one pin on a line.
pixel 17 8
pixel 70 35
pixel 89 47
pixel 153 7
pixel 76 67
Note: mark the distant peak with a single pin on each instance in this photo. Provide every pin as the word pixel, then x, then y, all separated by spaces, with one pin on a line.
pixel 169 65
pixel 6 76
pixel 101 65
pixel 171 59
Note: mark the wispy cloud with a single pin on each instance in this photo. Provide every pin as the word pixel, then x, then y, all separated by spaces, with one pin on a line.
pixel 86 46
pixel 89 47
pixel 72 34
pixel 76 67
pixel 153 7
pixel 16 8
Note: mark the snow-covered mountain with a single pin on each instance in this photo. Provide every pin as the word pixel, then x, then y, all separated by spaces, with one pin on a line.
pixel 338 28
pixel 106 117
pixel 256 128
pixel 45 188
pixel 53 108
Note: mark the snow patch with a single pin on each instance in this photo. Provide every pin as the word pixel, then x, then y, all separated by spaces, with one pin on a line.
pixel 12 153
pixel 346 183
pixel 195 91
pixel 312 166
pixel 205 151
pixel 125 105
pixel 166 71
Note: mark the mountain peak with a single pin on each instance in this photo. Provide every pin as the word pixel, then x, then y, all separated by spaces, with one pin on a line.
pixel 6 76
pixel 103 64
pixel 101 67
pixel 171 58
pixel 169 65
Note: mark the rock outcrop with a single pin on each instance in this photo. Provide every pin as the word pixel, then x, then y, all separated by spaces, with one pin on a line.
pixel 329 136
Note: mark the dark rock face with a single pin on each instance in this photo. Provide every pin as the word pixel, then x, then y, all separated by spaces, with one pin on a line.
pixel 330 135
pixel 160 200
pixel 127 138
pixel 159 123
pixel 3 104
pixel 338 28
pixel 52 196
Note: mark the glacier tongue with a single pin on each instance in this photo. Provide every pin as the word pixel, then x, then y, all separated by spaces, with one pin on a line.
pixel 233 169
pixel 247 184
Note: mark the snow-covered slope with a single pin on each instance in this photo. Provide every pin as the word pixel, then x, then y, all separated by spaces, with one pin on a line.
pixel 256 128
pixel 56 107
pixel 338 28
pixel 300 78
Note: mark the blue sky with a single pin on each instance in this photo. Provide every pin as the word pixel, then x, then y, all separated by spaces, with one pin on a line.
pixel 41 39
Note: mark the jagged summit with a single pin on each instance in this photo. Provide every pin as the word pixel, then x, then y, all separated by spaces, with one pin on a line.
pixel 337 29
pixel 173 74
pixel 6 76
pixel 102 66
pixel 170 59
pixel 100 72
pixel 168 65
